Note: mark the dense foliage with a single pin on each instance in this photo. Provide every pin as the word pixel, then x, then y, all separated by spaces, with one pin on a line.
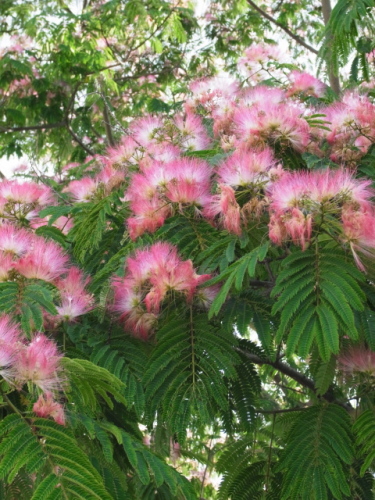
pixel 187 304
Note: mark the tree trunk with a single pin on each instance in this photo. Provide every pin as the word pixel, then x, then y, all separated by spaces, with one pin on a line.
pixel 333 79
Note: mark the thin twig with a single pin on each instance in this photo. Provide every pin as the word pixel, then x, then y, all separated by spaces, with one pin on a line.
pixel 295 37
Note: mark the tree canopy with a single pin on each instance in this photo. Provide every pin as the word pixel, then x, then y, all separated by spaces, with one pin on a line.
pixel 187 305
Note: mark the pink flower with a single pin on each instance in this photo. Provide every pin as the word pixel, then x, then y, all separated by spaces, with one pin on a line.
pixel 261 94
pixel 210 92
pixel 6 266
pixel 145 130
pixel 193 135
pixel 159 154
pixel 260 53
pixel 272 124
pixel 298 197
pixel 226 207
pixel 257 59
pixel 123 153
pixel 277 230
pixel 39 363
pixel 305 83
pixel 45 260
pixel 311 189
pixel 150 275
pixel 299 227
pixel 149 216
pixel 82 190
pixel 14 241
pixel 245 168
pixel 358 359
pixel 46 407
pixel 359 232
pixel 23 200
pixel 10 337
pixel 75 300
pixel 63 223
pixel 189 181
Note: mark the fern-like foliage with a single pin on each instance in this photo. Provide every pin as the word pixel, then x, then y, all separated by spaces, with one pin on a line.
pixel 27 302
pixel 51 453
pixel 243 394
pixel 234 275
pixel 250 308
pixel 88 382
pixel 189 234
pixel 364 429
pixel 246 475
pixel 126 360
pixel 348 19
pixel 98 227
pixel 317 456
pixel 316 295
pixel 139 463
pixel 181 376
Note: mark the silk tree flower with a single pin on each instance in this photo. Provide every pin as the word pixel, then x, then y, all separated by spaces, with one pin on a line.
pixel 247 168
pixel 224 206
pixel 149 215
pixel 122 154
pixel 352 127
pixel 15 241
pixel 257 58
pixel 10 343
pixel 192 135
pixel 162 189
pixel 298 197
pixel 209 93
pixel 74 299
pixel 6 266
pixel 159 153
pixel 82 190
pixel 145 130
pixel 318 187
pixel 45 260
pixel 23 200
pixel 359 232
pixel 306 84
pixel 258 95
pixel 105 181
pixel 39 363
pixel 150 275
pixel 46 407
pixel 358 359
pixel 269 124
pixel 63 223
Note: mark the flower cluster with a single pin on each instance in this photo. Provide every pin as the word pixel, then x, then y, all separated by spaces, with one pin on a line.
pixel 24 255
pixel 34 362
pixel 301 200
pixel 22 201
pixel 87 188
pixel 351 124
pixel 150 275
pixel 243 178
pixel 357 359
pixel 157 191
pixel 257 59
pixel 256 127
pixel 74 298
